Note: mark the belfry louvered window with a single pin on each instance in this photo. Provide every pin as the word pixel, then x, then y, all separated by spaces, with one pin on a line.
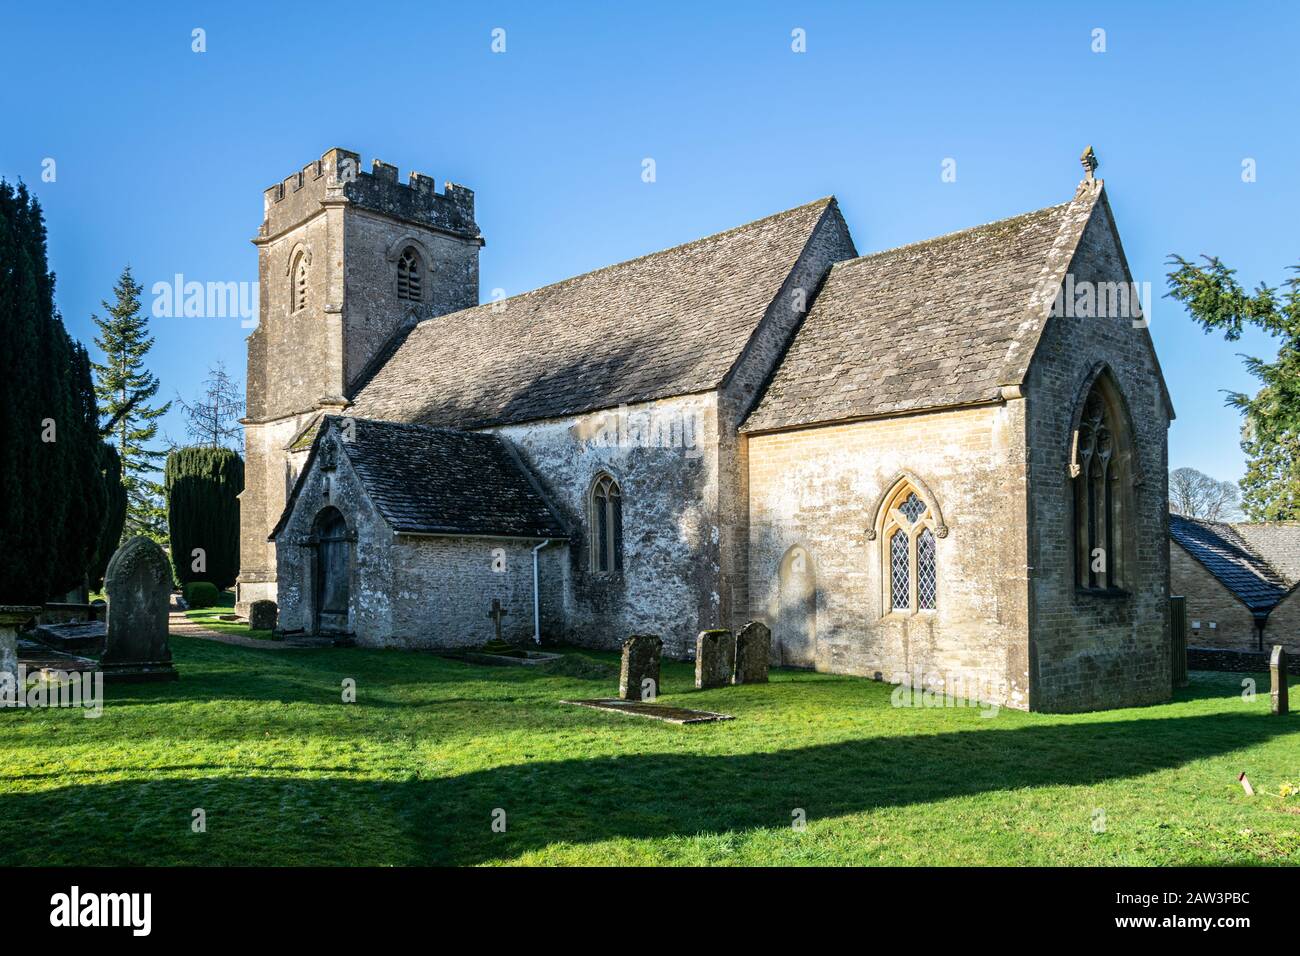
pixel 911 558
pixel 409 281
pixel 1101 461
pixel 606 525
pixel 298 293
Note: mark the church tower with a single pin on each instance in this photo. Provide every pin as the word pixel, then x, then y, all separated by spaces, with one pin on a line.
pixel 346 260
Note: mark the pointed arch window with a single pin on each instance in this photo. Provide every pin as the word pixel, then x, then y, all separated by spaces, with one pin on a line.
pixel 1101 475
pixel 298 291
pixel 911 561
pixel 410 281
pixel 606 509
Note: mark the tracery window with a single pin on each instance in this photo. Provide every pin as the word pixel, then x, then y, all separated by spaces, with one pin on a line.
pixel 911 553
pixel 1101 461
pixel 606 524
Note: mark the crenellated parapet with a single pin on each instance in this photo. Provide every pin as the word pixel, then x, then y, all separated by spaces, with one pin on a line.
pixel 337 177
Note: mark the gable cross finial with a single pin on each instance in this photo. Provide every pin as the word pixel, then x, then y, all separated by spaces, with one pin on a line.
pixel 1090 163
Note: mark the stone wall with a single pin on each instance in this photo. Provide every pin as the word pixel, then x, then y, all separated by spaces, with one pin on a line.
pixel 829 243
pixel 819 488
pixel 1283 625
pixel 1088 651
pixel 415 591
pixel 372 311
pixel 1241 662
pixel 350 225
pixel 1215 617
pixel 670 581
pixel 268 479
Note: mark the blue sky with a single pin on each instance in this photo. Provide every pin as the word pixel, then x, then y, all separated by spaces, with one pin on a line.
pixel 162 153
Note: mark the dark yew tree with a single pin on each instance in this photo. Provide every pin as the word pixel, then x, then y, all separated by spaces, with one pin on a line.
pixel 203 485
pixel 50 463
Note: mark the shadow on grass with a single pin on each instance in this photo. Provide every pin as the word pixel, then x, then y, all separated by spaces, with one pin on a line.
pixel 321 820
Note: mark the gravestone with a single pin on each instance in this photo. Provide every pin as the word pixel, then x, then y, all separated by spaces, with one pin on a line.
pixel 715 658
pixel 641 654
pixel 12 617
pixel 261 615
pixel 753 653
pixel 138 583
pixel 1277 671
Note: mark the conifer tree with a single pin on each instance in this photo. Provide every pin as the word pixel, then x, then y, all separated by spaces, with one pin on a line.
pixel 203 485
pixel 1270 434
pixel 53 499
pixel 124 387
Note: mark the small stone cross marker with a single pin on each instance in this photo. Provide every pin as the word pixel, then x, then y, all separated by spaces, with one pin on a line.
pixel 497 613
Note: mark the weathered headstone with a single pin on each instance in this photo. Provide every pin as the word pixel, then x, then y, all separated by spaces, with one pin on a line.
pixel 12 617
pixel 715 658
pixel 641 654
pixel 261 615
pixel 753 653
pixel 138 583
pixel 1277 671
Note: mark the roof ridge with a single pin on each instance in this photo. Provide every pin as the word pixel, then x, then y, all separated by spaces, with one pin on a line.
pixel 823 201
pixel 1006 220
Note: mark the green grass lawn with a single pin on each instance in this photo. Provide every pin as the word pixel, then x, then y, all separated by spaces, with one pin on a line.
pixel 210 617
pixel 412 772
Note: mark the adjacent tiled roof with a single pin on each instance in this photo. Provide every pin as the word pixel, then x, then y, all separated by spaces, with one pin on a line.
pixel 1277 542
pixel 939 323
pixel 440 481
pixel 670 323
pixel 1227 556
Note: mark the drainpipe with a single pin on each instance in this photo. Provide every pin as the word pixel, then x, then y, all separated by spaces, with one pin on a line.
pixel 537 601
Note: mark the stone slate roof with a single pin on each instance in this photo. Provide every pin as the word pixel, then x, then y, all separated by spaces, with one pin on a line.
pixel 1277 542
pixel 938 323
pixel 1227 556
pixel 440 481
pixel 666 324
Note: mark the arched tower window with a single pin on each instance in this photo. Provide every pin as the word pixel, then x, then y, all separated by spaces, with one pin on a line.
pixel 910 552
pixel 1100 469
pixel 410 282
pixel 606 510
pixel 298 274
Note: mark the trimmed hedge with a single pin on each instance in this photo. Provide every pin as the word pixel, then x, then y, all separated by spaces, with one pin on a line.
pixel 201 594
pixel 202 485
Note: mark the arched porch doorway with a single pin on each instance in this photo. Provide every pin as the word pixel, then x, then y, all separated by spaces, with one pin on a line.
pixel 332 571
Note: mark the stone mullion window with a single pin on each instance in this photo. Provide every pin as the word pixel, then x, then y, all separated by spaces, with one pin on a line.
pixel 606 510
pixel 409 280
pixel 910 553
pixel 1101 462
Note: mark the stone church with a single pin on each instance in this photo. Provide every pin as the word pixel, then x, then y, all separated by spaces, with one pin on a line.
pixel 944 462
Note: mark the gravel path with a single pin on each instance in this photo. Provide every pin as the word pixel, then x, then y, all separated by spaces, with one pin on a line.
pixel 178 623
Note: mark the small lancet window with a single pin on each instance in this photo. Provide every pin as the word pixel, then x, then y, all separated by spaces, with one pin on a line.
pixel 606 525
pixel 409 281
pixel 298 293
pixel 911 565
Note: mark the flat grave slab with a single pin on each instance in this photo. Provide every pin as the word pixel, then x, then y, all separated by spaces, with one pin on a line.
pixel 519 659
pixel 73 636
pixel 664 712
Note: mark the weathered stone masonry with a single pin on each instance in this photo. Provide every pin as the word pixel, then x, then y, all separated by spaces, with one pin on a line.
pixel 762 400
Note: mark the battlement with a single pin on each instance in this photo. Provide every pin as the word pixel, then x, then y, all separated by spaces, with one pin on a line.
pixel 338 176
